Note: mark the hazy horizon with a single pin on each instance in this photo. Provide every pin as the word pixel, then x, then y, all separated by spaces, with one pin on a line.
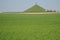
pixel 21 5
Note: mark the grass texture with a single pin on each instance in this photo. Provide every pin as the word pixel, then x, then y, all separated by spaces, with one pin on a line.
pixel 29 26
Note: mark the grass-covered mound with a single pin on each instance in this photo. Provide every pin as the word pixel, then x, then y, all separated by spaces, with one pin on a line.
pixel 35 8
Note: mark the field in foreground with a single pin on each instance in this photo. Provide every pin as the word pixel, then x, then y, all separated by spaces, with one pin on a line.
pixel 29 26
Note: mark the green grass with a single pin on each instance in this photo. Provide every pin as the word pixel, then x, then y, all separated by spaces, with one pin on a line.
pixel 29 26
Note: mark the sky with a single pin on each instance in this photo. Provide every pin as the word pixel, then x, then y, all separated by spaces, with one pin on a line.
pixel 22 5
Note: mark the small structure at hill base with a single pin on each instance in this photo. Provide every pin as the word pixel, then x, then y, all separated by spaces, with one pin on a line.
pixel 35 8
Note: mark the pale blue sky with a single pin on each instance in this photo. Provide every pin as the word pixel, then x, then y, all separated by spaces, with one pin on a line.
pixel 21 5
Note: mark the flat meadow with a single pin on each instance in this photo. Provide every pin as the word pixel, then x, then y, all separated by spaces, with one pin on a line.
pixel 29 26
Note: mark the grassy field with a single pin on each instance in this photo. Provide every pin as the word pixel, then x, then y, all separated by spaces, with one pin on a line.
pixel 29 26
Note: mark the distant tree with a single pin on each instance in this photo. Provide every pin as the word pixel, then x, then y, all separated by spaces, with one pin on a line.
pixel 50 11
pixel 54 10
pixel 47 10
